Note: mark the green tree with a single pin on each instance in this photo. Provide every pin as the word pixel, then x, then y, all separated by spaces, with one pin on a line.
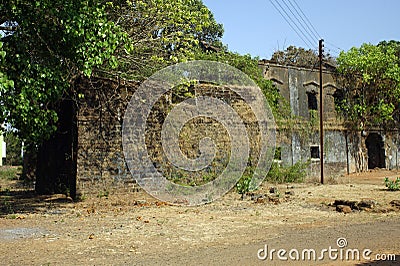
pixel 371 81
pixel 392 44
pixel 300 57
pixel 50 44
pixel 161 33
pixel 294 56
pixel 5 82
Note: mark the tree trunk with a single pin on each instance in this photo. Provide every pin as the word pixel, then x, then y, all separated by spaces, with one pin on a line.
pixel 56 158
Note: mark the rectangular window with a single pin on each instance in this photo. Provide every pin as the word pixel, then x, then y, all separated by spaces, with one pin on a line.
pixel 314 152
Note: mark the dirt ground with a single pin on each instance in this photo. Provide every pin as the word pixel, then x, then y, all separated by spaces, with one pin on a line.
pixel 131 228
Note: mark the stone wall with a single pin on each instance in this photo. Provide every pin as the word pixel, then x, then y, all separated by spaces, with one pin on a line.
pixel 343 151
pixel 100 159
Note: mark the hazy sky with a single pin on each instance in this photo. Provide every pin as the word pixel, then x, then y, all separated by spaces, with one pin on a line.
pixel 257 28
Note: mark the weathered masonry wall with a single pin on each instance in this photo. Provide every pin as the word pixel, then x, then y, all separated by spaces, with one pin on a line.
pixel 343 151
pixel 100 159
pixel 101 162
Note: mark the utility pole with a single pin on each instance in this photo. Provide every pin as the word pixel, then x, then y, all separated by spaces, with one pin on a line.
pixel 321 120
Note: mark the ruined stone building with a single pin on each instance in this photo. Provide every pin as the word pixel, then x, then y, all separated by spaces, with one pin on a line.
pixel 91 152
pixel 344 151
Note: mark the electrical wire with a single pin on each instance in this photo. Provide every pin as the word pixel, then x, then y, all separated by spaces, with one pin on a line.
pixel 292 13
pixel 334 47
pixel 300 20
pixel 311 26
pixel 289 20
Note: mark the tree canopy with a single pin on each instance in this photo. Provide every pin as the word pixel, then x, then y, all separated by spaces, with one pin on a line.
pixel 49 44
pixel 294 56
pixel 162 32
pixel 371 75
pixel 300 57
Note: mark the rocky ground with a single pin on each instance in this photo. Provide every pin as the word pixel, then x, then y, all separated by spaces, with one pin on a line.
pixel 125 228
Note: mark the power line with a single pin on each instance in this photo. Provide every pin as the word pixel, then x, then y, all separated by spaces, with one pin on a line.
pixel 311 27
pixel 302 23
pixel 309 22
pixel 302 36
pixel 335 47
pixel 296 25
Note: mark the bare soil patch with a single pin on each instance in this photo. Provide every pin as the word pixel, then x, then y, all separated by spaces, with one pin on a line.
pixel 122 227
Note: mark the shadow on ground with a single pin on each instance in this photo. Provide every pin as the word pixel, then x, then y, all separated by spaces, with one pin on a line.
pixel 18 197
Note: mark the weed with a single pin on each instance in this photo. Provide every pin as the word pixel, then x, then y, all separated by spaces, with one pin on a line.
pixel 7 207
pixel 243 185
pixel 81 197
pixel 10 173
pixel 103 194
pixel 288 174
pixel 392 185
pixel 12 216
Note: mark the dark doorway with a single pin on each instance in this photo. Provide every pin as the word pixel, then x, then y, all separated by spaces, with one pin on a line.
pixel 312 101
pixel 56 157
pixel 376 151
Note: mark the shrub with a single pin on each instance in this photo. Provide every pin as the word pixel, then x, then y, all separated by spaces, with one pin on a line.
pixel 288 174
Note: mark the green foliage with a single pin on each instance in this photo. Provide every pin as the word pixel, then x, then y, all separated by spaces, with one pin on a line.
pixel 103 194
pixel 299 57
pixel 243 185
pixel 5 82
pixel 278 153
pixel 314 118
pixel 162 33
pixel 288 174
pixel 14 146
pixel 371 77
pixel 294 56
pixel 392 185
pixel 277 173
pixel 183 91
pixel 53 43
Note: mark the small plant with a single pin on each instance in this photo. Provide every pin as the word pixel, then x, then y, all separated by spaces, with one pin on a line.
pixel 103 194
pixel 81 197
pixel 392 185
pixel 10 173
pixel 243 185
pixel 12 216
